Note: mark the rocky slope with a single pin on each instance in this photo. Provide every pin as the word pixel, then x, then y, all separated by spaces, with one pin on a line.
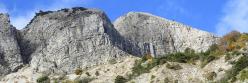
pixel 10 57
pixel 59 42
pixel 167 36
pixel 107 73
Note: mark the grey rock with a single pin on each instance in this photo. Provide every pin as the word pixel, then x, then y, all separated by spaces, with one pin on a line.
pixel 10 57
pixel 61 41
pixel 167 36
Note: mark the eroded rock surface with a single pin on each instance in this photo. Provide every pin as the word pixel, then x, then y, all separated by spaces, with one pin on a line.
pixel 61 41
pixel 166 36
pixel 10 57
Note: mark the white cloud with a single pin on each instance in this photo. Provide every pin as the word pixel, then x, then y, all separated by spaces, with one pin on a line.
pixel 235 17
pixel 20 21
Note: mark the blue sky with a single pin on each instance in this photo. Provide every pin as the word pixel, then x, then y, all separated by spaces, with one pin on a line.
pixel 216 16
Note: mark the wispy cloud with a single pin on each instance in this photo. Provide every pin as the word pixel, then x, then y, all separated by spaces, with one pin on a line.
pixel 235 17
pixel 20 21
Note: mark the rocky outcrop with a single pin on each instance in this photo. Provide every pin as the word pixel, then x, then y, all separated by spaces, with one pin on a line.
pixel 165 35
pixel 61 41
pixel 10 57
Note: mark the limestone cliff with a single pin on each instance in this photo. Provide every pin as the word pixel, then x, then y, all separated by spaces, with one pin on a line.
pixel 58 42
pixel 167 36
pixel 10 57
pixel 61 41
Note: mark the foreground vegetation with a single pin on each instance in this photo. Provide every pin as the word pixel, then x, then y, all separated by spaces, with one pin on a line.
pixel 229 46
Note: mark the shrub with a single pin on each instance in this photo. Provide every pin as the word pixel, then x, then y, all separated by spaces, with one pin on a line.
pixel 97 73
pixel 112 61
pixel 236 52
pixel 211 75
pixel 120 79
pixel 167 80
pixel 152 77
pixel 139 69
pixel 243 75
pixel 228 57
pixel 226 42
pixel 206 59
pixel 43 79
pixel 86 80
pixel 174 66
pixel 82 80
pixel 177 57
pixel 88 74
pixel 237 67
pixel 78 71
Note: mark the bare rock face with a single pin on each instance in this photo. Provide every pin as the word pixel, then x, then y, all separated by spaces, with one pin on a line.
pixel 61 41
pixel 10 57
pixel 165 35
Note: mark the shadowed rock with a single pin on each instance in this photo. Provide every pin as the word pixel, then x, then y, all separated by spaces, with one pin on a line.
pixel 10 57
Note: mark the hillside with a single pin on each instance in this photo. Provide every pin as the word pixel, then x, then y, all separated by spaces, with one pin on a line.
pixel 81 45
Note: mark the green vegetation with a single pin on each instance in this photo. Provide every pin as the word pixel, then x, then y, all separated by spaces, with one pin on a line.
pixel 43 79
pixel 210 75
pixel 86 80
pixel 174 66
pixel 243 75
pixel 112 61
pixel 97 73
pixel 120 79
pixel 237 67
pixel 166 80
pixel 88 74
pixel 82 80
pixel 229 46
pixel 78 71
pixel 152 77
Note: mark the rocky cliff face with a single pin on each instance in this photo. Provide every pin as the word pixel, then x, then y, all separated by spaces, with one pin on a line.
pixel 166 36
pixel 10 57
pixel 61 41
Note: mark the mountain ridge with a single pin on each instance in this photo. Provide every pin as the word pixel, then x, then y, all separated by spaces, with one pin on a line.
pixel 58 42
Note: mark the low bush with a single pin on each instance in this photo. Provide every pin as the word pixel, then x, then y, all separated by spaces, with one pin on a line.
pixel 112 61
pixel 79 80
pixel 120 79
pixel 97 73
pixel 239 65
pixel 152 77
pixel 78 71
pixel 43 79
pixel 243 75
pixel 86 80
pixel 206 59
pixel 210 75
pixel 88 74
pixel 174 66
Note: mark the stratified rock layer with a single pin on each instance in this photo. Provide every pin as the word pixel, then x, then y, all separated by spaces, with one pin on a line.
pixel 61 41
pixel 10 57
pixel 166 36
